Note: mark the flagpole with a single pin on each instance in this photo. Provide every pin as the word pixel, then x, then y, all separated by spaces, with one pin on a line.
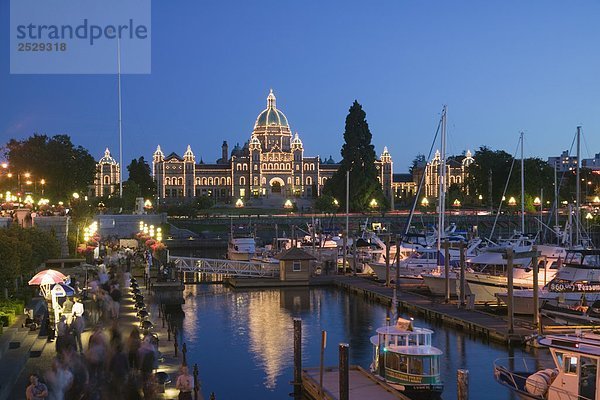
pixel 120 119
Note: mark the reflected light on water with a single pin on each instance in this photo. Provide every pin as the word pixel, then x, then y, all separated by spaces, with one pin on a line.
pixel 271 335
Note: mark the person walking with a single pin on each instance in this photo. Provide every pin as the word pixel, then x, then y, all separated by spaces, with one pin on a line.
pixel 133 346
pixel 59 380
pixel 185 384
pixel 36 390
pixel 116 295
pixel 77 327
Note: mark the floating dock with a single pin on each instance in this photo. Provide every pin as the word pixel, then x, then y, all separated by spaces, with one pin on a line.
pixel 363 385
pixel 488 326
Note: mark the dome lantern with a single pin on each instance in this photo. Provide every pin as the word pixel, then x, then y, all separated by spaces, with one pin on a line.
pixel 296 143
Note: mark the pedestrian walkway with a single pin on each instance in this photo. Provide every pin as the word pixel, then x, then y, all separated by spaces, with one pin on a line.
pixel 127 320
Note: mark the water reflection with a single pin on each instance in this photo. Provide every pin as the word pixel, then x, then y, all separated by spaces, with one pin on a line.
pixel 246 337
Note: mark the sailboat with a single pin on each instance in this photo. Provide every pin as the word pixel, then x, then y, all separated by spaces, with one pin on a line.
pixel 426 259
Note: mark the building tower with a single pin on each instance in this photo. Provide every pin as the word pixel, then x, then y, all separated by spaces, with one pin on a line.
pixel 272 128
pixel 255 165
pixel 189 173
pixel 298 158
pixel 386 176
pixel 107 175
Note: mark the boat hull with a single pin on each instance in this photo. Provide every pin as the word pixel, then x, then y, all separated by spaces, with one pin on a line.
pixel 523 300
pixel 437 284
pixel 237 256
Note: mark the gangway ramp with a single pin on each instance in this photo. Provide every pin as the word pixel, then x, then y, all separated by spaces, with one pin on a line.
pixel 230 268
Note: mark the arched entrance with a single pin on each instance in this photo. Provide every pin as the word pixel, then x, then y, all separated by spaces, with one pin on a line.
pixel 276 185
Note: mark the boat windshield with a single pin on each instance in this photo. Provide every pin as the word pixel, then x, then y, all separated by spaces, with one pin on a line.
pixel 414 365
pixel 587 258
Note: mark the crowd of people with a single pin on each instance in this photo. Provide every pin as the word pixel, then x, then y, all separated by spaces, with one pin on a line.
pixel 112 364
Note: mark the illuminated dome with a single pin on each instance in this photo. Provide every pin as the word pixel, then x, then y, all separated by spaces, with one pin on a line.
pixel 271 116
pixel 107 159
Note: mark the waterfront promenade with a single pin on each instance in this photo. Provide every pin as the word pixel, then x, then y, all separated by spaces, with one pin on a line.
pixel 42 353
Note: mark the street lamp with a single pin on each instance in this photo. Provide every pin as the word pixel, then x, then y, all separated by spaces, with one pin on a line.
pixel 425 202
pixel 373 203
pixel 239 203
pixel 76 196
pixel 537 201
pixel 512 201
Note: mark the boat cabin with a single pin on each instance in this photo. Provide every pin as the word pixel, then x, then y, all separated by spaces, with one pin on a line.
pixel 404 357
pixel 577 361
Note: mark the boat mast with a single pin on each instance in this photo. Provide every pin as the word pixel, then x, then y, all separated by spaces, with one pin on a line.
pixel 578 189
pixel 442 183
pixel 120 119
pixel 522 189
pixel 556 226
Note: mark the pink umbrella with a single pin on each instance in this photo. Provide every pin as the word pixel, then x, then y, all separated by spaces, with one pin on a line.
pixel 47 277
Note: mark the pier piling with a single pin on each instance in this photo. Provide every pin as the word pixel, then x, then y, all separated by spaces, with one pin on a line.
pixel 297 359
pixel 462 387
pixel 344 372
pixel 509 270
pixel 463 283
pixel 323 345
pixel 447 269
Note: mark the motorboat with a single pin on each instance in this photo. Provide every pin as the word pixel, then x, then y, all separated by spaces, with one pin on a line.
pixel 489 276
pixel 575 284
pixel 405 359
pixel 241 248
pixel 574 375
pixel 419 262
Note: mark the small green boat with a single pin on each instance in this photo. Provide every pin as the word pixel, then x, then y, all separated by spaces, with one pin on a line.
pixel 404 358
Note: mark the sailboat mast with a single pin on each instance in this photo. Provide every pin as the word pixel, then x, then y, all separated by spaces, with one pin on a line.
pixel 578 189
pixel 556 205
pixel 522 188
pixel 442 184
pixel 120 119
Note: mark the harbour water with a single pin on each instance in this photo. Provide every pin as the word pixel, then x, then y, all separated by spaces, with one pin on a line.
pixel 242 340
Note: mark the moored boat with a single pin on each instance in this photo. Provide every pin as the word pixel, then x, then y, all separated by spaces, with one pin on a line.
pixel 574 375
pixel 577 280
pixel 404 358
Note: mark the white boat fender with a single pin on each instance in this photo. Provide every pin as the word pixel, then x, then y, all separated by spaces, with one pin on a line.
pixel 538 383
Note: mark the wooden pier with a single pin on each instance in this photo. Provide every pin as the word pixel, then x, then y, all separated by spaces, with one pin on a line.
pixel 362 385
pixel 489 326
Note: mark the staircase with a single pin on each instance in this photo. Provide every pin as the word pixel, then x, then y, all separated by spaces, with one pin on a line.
pixel 17 345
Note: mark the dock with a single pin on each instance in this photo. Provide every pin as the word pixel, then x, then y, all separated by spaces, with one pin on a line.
pixel 475 322
pixel 362 385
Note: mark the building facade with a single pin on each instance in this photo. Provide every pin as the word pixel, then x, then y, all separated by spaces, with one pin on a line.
pixel 272 164
pixel 106 181
pixel 564 162
pixel 591 163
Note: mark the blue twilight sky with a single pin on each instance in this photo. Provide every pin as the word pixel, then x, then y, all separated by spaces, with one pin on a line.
pixel 501 67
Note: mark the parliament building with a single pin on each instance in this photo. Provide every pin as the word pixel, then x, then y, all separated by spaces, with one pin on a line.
pixel 272 164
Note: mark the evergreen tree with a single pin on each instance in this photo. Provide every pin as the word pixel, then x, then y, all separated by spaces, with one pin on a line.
pixel 139 172
pixel 358 157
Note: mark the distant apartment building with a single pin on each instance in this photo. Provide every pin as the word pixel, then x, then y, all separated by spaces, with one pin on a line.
pixel 564 162
pixel 592 163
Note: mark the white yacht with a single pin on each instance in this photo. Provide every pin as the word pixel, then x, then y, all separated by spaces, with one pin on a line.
pixel 489 276
pixel 578 278
pixel 241 248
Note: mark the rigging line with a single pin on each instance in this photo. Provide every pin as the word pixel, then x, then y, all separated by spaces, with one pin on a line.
pixel 519 143
pixel 412 210
pixel 562 178
pixel 587 148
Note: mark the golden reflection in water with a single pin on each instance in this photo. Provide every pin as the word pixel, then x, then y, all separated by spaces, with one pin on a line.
pixel 271 334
